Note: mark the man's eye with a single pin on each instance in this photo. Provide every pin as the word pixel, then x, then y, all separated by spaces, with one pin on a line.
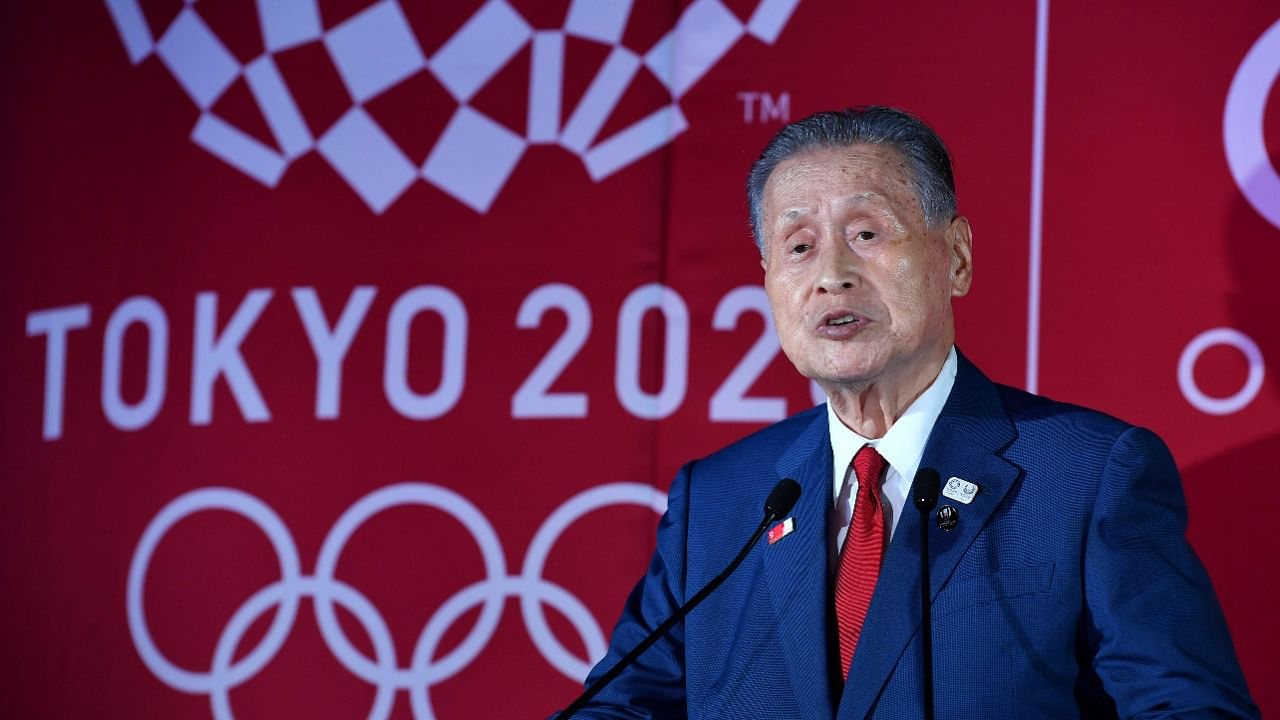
pixel 799 248
pixel 867 235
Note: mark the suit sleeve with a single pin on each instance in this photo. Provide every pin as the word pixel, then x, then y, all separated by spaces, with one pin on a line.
pixel 1160 643
pixel 654 687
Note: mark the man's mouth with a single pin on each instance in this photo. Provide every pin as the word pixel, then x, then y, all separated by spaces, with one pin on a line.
pixel 840 318
pixel 841 325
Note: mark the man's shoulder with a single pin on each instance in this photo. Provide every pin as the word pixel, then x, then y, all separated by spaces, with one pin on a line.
pixel 729 484
pixel 1026 406
pixel 1043 422
pixel 1030 410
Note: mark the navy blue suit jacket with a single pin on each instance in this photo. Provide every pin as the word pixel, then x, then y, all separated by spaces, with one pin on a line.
pixel 1066 590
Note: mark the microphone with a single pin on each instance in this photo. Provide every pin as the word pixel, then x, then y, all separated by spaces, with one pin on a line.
pixel 780 501
pixel 924 495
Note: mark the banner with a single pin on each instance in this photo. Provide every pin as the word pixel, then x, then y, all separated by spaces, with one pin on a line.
pixel 348 348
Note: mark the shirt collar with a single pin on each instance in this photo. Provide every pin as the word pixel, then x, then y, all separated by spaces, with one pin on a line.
pixel 903 445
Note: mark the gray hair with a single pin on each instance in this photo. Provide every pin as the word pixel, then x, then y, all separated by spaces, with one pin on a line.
pixel 926 155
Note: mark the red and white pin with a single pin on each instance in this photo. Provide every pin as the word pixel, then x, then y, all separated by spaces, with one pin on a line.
pixel 781 530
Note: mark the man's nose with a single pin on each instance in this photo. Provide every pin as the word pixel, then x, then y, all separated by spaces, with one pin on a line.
pixel 840 267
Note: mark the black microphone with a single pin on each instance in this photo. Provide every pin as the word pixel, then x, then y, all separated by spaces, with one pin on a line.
pixel 924 494
pixel 780 501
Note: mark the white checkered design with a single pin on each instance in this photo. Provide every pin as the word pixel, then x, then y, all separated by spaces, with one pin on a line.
pixel 376 49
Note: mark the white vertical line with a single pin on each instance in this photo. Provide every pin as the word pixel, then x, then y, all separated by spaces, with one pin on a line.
pixel 546 73
pixel 1037 196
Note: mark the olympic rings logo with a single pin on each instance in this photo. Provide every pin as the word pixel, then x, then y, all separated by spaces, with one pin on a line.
pixel 382 671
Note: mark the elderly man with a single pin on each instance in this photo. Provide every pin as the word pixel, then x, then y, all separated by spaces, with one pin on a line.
pixel 1062 583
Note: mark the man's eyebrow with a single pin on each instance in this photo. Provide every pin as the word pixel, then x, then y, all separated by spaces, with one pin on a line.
pixel 787 216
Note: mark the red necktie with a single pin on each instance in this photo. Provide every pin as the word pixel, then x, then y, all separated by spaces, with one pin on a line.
pixel 859 564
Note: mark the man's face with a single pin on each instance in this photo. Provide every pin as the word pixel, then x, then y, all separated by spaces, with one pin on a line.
pixel 860 286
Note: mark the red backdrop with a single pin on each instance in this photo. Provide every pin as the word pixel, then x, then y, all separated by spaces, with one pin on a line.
pixel 347 347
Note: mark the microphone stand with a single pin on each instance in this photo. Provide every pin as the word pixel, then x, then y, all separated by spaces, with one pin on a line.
pixel 779 503
pixel 925 497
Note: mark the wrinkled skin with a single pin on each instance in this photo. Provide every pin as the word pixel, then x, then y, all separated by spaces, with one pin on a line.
pixel 846 238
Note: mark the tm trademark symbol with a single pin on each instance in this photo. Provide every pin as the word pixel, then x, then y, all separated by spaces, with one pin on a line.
pixel 761 107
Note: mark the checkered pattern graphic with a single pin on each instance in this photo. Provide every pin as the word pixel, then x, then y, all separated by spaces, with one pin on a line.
pixel 376 50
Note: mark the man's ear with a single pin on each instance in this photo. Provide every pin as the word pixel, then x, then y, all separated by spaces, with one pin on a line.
pixel 960 248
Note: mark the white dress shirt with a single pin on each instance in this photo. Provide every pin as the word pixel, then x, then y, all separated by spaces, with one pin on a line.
pixel 901 448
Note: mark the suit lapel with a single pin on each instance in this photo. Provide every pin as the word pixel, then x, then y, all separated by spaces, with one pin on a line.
pixel 796 573
pixel 966 442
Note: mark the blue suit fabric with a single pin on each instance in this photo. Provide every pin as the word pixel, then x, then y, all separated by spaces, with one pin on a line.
pixel 1066 590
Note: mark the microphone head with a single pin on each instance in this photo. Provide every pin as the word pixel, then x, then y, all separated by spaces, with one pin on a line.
pixel 924 491
pixel 782 498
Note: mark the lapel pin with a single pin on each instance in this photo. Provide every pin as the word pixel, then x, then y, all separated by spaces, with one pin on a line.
pixel 948 518
pixel 781 530
pixel 960 490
